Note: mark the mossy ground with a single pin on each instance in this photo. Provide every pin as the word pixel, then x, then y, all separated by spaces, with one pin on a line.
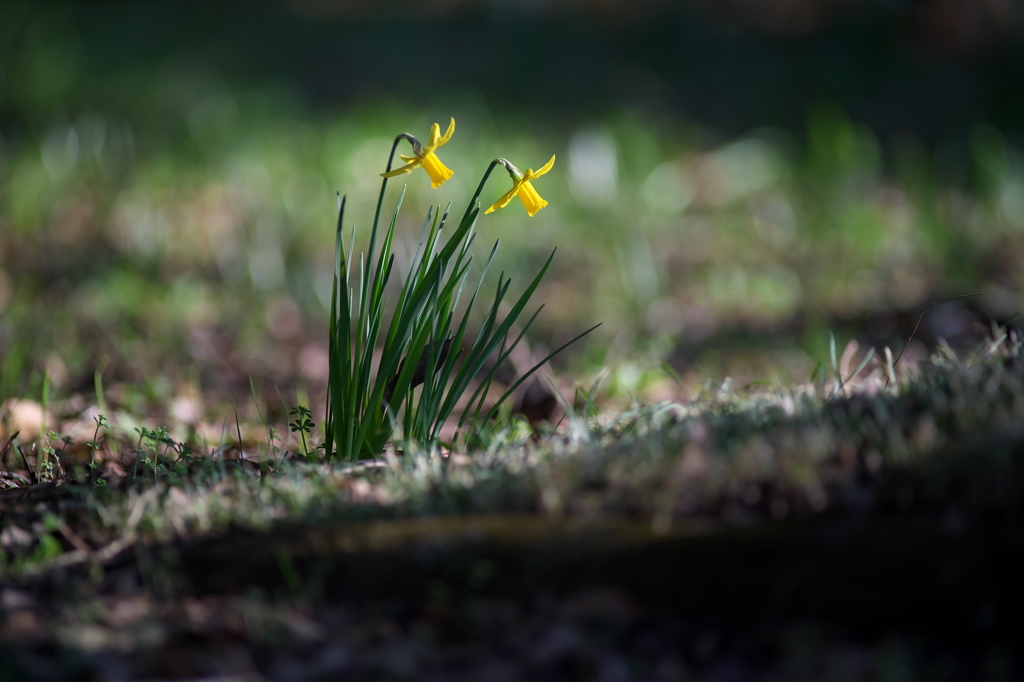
pixel 859 532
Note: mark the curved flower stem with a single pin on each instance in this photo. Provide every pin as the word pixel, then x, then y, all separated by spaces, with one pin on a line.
pixel 480 187
pixel 365 275
pixel 383 186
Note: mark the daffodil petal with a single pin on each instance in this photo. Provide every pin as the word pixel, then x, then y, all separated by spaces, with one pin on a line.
pixel 543 169
pixel 404 169
pixel 448 134
pixel 503 201
pixel 435 135
pixel 409 159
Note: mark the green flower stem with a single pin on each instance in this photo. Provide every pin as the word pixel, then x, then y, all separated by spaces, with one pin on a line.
pixel 480 188
pixel 384 184
pixel 380 206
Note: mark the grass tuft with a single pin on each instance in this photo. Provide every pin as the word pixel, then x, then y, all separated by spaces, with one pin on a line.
pixel 426 345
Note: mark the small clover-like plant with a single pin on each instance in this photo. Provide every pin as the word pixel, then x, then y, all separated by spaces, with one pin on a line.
pixel 94 443
pixel 303 424
pixel 50 459
pixel 147 450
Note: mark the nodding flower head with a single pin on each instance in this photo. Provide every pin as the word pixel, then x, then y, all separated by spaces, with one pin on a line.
pixel 523 188
pixel 426 157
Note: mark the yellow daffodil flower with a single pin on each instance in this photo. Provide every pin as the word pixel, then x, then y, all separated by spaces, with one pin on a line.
pixel 522 188
pixel 437 171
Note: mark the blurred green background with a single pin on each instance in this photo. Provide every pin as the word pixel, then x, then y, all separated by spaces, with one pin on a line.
pixel 734 180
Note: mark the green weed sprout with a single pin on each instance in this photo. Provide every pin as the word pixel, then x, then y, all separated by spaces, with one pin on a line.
pixel 303 424
pixel 94 443
pixel 366 408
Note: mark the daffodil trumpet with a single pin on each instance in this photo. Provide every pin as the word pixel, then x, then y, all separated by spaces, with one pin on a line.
pixel 425 156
